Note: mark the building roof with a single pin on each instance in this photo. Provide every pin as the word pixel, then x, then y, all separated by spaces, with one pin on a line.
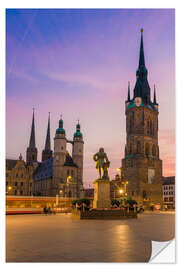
pixel 69 161
pixel 10 163
pixel 44 170
pixel 169 180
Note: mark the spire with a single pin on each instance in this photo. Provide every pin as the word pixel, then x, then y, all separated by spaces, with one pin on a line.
pixel 48 141
pixel 142 88
pixel 141 55
pixel 32 143
pixel 60 130
pixel 128 91
pixel 31 152
pixel 78 133
pixel 155 95
pixel 47 152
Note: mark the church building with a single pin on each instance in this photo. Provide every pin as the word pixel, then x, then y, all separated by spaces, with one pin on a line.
pixel 141 165
pixel 60 173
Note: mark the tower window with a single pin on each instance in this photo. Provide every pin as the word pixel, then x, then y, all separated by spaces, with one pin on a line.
pixel 154 150
pixel 130 148
pixel 131 122
pixel 138 147
pixel 147 149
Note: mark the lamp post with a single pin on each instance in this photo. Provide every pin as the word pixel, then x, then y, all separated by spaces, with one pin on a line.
pixel 9 189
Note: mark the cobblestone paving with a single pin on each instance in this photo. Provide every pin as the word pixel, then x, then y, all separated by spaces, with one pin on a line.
pixel 59 238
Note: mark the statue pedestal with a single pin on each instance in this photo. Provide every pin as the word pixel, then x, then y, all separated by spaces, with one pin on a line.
pixel 101 194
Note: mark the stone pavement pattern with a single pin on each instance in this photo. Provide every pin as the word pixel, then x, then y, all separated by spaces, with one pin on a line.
pixel 40 238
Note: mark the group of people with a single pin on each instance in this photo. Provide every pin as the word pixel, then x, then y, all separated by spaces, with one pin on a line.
pixel 48 211
pixel 82 206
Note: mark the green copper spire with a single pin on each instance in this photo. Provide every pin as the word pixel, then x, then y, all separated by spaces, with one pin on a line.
pixel 60 130
pixel 78 131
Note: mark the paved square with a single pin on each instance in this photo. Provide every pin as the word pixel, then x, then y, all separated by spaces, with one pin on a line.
pixel 59 238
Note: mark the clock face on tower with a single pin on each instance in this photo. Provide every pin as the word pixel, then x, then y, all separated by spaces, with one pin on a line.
pixel 138 101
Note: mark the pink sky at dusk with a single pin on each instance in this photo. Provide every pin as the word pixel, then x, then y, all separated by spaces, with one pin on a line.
pixel 78 63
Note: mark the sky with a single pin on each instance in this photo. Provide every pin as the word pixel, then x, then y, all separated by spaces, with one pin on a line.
pixel 78 63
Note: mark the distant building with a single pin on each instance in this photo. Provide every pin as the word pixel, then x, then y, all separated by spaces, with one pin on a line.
pixel 57 174
pixel 19 177
pixel 169 191
pixel 89 192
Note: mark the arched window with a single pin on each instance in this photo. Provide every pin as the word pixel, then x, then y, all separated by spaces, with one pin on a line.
pixel 150 127
pixel 67 172
pixel 154 150
pixel 130 148
pixel 131 122
pixel 147 149
pixel 138 147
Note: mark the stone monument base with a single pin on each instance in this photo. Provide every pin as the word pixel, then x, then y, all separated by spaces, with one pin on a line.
pixel 102 194
pixel 103 214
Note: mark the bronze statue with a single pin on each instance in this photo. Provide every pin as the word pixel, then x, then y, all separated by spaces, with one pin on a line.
pixel 102 163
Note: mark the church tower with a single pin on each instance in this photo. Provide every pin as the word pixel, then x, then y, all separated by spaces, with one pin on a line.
pixel 77 151
pixel 60 143
pixel 31 152
pixel 47 152
pixel 141 166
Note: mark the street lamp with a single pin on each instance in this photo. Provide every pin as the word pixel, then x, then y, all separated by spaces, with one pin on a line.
pixel 120 191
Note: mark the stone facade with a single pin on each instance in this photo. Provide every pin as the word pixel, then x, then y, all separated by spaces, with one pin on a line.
pixel 101 194
pixel 141 166
pixel 169 191
pixel 19 177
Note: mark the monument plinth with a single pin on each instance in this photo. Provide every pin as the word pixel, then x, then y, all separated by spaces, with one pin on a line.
pixel 102 202
pixel 101 194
